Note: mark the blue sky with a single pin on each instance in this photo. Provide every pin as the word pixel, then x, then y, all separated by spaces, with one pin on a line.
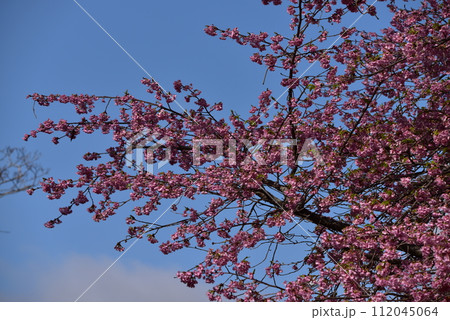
pixel 54 47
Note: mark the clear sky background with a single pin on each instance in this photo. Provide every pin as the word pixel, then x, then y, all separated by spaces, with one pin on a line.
pixel 52 46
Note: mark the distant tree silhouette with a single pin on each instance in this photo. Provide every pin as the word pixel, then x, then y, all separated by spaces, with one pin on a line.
pixel 19 170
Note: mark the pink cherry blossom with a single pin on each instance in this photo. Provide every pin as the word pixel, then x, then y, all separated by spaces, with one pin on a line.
pixel 368 220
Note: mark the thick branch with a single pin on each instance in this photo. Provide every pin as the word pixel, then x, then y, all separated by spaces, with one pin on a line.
pixel 327 222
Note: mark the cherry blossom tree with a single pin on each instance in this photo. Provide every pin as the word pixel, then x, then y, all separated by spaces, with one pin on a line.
pixel 368 222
